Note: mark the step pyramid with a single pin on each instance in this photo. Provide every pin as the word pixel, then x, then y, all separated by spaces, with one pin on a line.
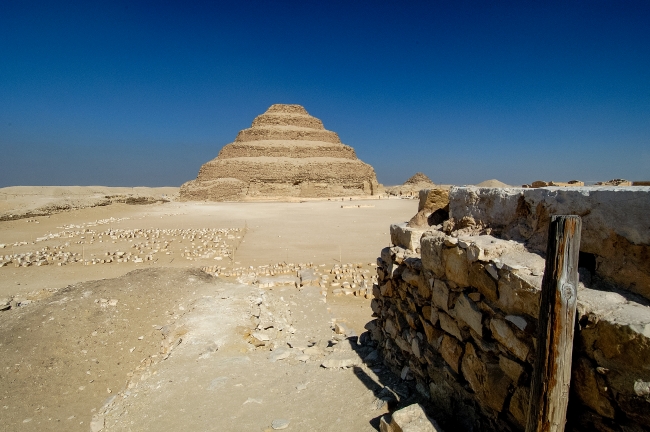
pixel 285 153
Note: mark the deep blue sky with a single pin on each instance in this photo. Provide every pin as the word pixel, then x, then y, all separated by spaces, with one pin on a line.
pixel 127 93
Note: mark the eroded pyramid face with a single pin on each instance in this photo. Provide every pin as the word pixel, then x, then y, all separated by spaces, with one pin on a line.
pixel 286 152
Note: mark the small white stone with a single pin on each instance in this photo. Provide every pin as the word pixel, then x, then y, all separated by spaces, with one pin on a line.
pixel 279 424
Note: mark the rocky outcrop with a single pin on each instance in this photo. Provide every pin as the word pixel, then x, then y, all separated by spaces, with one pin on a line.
pixel 285 153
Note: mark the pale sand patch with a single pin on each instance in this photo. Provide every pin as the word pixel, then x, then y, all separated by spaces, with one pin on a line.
pixel 321 232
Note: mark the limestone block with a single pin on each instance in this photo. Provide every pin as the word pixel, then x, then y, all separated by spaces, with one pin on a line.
pixel 451 351
pixel 519 405
pixel 511 368
pixel 481 280
pixel 416 279
pixel 456 266
pixel 409 419
pixel 440 294
pixel 467 311
pixel 502 332
pixel 449 325
pixel 431 246
pixel 475 253
pixel 486 379
pixel 591 390
pixel 308 277
pixel 519 293
pixel 433 199
pixel 406 237
pixel 341 360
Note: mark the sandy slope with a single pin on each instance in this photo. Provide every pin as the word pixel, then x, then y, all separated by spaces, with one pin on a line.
pixel 18 202
pixel 61 353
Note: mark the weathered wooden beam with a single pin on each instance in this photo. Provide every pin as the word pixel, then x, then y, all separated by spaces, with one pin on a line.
pixel 549 393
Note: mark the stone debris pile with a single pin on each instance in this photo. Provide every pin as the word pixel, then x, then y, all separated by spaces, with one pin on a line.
pixel 138 246
pixel 353 279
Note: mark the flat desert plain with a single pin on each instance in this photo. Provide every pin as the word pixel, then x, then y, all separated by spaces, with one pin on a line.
pixel 176 316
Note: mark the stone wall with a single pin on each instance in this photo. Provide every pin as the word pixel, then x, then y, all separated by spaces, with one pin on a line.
pixel 458 317
pixel 615 224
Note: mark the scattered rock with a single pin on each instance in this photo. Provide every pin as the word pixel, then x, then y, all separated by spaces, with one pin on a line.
pixel 279 424
pixel 409 419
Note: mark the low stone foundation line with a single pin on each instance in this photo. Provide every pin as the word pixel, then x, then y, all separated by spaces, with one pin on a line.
pixel 457 314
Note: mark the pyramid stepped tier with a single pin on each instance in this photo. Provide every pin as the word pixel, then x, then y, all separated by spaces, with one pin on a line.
pixel 286 152
pixel 293 149
pixel 287 133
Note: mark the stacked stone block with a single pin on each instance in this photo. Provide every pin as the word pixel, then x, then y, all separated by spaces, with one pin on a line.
pixel 458 316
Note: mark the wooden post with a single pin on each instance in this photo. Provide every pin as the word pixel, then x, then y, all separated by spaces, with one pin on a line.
pixel 549 393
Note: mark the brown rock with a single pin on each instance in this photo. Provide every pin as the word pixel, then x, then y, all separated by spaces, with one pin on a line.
pixel 519 405
pixel 486 379
pixel 391 328
pixel 386 289
pixel 432 333
pixel 585 384
pixel 451 351
pixel 426 312
pixel 513 369
pixel 449 325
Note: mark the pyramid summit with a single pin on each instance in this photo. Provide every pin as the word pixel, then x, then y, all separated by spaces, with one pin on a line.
pixel 285 153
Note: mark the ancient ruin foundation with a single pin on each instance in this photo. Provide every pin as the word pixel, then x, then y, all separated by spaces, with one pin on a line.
pixel 457 306
pixel 285 153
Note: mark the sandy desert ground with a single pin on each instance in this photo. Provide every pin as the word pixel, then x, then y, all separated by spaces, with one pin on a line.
pixel 114 326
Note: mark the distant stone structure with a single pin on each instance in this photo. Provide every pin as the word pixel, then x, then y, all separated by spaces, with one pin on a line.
pixel 615 182
pixel 542 184
pixel 418 178
pixel 412 186
pixel 285 153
